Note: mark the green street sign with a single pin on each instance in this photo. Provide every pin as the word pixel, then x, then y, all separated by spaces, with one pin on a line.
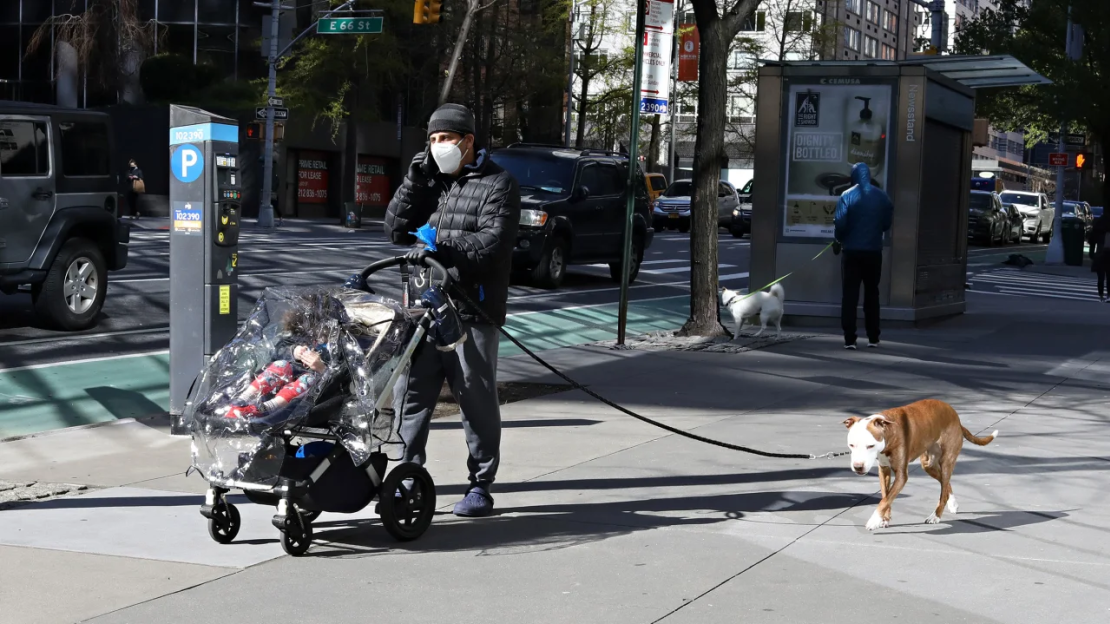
pixel 349 26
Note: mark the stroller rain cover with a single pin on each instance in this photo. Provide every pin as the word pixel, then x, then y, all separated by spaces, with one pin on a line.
pixel 315 355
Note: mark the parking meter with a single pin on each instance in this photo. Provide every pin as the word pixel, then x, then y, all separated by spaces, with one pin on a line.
pixel 205 200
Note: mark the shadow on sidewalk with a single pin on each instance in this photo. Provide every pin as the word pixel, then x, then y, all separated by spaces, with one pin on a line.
pixel 555 527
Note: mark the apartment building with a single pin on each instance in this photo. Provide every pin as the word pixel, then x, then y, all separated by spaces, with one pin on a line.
pixel 871 29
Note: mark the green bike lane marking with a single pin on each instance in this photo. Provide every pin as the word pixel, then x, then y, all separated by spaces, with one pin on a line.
pixel 68 394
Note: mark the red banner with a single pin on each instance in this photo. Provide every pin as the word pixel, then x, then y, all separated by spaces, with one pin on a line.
pixel 312 178
pixel 689 47
pixel 371 182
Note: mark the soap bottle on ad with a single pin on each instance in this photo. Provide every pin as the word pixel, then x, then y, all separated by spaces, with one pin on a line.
pixel 865 138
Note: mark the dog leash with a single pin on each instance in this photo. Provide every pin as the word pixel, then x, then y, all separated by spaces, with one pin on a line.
pixel 620 408
pixel 752 292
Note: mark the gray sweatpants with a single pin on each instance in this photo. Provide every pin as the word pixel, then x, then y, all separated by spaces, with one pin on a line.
pixel 470 371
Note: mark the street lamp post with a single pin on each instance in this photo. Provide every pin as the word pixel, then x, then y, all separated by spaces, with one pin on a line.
pixel 573 47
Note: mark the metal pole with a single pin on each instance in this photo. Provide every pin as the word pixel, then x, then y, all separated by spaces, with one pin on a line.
pixel 570 76
pixel 1055 253
pixel 674 90
pixel 633 169
pixel 938 18
pixel 266 206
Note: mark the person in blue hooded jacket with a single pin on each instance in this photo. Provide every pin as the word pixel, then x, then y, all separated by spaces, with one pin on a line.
pixel 863 214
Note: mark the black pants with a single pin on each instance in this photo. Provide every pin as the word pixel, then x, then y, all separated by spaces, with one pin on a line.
pixel 1101 283
pixel 858 267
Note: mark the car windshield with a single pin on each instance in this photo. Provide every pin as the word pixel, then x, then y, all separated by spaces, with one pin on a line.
pixel 657 183
pixel 747 190
pixel 537 171
pixel 980 201
pixel 1019 198
pixel 680 189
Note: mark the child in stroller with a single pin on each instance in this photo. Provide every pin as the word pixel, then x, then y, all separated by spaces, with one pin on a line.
pixel 286 379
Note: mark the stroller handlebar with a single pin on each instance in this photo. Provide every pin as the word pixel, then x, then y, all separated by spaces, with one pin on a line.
pixel 431 263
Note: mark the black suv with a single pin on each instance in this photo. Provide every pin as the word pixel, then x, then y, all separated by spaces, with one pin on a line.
pixel 59 233
pixel 573 205
pixel 742 216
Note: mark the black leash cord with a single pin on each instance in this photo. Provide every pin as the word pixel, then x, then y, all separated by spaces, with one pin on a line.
pixel 686 434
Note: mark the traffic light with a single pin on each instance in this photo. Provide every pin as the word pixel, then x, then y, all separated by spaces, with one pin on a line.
pixel 254 131
pixel 426 11
pixel 1080 160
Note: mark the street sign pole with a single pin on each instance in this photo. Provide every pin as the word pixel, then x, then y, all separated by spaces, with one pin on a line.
pixel 633 165
pixel 1055 253
pixel 266 206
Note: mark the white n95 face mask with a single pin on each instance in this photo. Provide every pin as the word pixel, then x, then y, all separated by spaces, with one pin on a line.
pixel 448 157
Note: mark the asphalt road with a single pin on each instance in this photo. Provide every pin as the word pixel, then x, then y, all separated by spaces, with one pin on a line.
pixel 135 318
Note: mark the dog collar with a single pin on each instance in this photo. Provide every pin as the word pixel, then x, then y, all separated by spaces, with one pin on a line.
pixel 731 299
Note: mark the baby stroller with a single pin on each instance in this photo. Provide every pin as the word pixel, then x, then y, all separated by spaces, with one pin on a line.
pixel 295 409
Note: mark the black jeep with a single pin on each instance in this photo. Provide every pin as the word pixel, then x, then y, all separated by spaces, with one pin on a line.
pixel 59 233
pixel 573 206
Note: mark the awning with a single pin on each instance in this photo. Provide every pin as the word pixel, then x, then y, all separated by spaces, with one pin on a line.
pixel 977 72
pixel 974 72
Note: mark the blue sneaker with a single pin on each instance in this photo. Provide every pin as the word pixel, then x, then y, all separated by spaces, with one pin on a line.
pixel 476 504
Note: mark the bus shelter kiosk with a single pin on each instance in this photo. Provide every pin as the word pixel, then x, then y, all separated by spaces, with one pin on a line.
pixel 205 197
pixel 913 127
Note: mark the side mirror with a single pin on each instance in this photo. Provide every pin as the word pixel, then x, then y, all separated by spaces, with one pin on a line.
pixel 580 193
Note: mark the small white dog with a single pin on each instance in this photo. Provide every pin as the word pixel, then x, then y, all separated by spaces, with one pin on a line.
pixel 765 305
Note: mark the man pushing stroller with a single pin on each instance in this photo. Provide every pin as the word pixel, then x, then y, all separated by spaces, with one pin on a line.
pixel 474 206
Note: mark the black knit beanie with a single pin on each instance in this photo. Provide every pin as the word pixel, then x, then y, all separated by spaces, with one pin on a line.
pixel 452 118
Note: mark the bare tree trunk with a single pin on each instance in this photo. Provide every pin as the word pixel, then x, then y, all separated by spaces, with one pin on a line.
pixel 716 32
pixel 653 146
pixel 471 9
pixel 580 132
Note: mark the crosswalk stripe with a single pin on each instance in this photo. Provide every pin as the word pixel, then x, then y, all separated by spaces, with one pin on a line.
pixel 1017 283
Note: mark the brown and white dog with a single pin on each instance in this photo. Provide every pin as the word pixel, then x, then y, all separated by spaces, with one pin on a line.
pixel 929 430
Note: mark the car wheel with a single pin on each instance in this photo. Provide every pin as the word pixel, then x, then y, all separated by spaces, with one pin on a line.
pixel 634 270
pixel 73 293
pixel 1046 237
pixel 551 270
pixel 736 232
pixel 684 228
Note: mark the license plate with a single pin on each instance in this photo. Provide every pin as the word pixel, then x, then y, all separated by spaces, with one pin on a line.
pixel 674 215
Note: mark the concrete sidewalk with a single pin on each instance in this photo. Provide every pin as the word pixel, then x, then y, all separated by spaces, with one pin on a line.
pixel 604 519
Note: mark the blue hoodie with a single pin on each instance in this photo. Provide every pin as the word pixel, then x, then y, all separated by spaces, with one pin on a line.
pixel 863 213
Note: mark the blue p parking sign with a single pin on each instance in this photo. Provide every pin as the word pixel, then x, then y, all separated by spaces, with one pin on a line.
pixel 187 163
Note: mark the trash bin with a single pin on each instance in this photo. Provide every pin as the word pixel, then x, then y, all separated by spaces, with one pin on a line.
pixel 1072 231
pixel 354 215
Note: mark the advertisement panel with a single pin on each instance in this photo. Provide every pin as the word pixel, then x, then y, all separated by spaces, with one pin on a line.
pixel 312 178
pixel 830 128
pixel 371 182
pixel 655 86
pixel 689 49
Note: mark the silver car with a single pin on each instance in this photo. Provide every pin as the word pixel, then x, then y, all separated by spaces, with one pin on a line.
pixel 672 209
pixel 1036 210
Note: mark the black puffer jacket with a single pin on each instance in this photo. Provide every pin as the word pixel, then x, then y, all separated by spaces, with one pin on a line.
pixel 476 218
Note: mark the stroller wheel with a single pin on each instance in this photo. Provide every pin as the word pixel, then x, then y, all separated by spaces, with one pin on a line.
pixel 295 540
pixel 224 524
pixel 408 501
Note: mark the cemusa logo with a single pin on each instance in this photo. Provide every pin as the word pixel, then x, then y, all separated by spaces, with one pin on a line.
pixel 840 81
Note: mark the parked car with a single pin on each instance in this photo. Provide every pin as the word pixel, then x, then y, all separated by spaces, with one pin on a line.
pixel 986 221
pixel 1080 210
pixel 656 183
pixel 1096 211
pixel 1016 223
pixel 1037 211
pixel 573 206
pixel 741 223
pixel 672 210
pixel 60 233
